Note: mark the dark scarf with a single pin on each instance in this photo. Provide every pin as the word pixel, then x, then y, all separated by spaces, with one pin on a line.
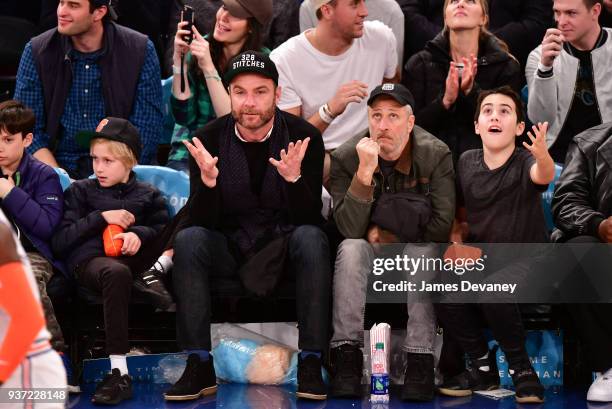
pixel 252 221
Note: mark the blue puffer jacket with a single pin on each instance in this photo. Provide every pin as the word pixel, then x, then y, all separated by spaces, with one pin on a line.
pixel 36 205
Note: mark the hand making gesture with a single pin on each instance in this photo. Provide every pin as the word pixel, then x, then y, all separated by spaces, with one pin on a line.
pixel 205 161
pixel 290 164
pixel 538 147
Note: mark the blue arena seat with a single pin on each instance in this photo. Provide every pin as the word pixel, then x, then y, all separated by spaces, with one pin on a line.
pixel 65 180
pixel 173 184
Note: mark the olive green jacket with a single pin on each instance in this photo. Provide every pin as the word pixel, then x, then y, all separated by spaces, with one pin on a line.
pixel 425 166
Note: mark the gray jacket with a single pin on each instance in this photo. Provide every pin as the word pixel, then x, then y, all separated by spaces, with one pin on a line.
pixel 550 99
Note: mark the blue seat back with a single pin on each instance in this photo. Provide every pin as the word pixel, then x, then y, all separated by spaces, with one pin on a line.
pixel 174 185
pixel 63 177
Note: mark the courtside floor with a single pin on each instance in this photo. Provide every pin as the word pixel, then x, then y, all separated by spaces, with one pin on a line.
pixel 234 396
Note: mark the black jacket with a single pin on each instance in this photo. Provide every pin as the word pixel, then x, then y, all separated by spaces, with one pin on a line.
pixel 425 75
pixel 583 193
pixel 520 23
pixel 79 236
pixel 205 206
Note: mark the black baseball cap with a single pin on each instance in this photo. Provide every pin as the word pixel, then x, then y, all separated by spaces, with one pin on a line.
pixel 113 129
pixel 396 91
pixel 253 62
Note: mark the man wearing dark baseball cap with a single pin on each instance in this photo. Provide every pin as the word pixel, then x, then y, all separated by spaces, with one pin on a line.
pixel 257 206
pixel 393 185
pixel 83 70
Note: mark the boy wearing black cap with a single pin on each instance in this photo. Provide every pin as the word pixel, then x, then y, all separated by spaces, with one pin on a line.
pixel 256 206
pixel 394 159
pixel 114 197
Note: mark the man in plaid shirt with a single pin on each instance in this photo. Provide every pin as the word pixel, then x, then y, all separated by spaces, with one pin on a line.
pixel 82 71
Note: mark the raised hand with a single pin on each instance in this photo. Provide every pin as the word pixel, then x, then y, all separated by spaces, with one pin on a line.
pixel 6 185
pixel 451 91
pixel 353 91
pixel 538 147
pixel 180 46
pixel 205 161
pixel 468 76
pixel 119 217
pixel 552 44
pixel 131 243
pixel 290 164
pixel 367 151
pixel 200 49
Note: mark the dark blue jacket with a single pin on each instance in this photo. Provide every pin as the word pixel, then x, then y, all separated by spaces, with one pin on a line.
pixel 36 205
pixel 79 237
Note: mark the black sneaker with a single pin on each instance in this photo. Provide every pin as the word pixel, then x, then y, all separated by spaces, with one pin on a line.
pixel 347 361
pixel 113 389
pixel 198 379
pixel 310 381
pixel 527 384
pixel 419 378
pixel 474 378
pixel 150 284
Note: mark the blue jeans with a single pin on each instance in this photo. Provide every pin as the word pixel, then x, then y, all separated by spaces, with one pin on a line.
pixel 353 266
pixel 202 255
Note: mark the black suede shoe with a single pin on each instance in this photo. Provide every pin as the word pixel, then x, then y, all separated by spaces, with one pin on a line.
pixel 310 381
pixel 419 382
pixel 113 389
pixel 347 361
pixel 481 375
pixel 198 380
pixel 151 284
pixel 527 384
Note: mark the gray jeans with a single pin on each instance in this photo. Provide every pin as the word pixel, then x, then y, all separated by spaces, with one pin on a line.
pixel 353 266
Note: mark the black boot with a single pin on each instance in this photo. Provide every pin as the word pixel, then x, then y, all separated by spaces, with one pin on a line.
pixel 310 381
pixel 419 379
pixel 481 375
pixel 198 379
pixel 526 383
pixel 347 361
pixel 113 389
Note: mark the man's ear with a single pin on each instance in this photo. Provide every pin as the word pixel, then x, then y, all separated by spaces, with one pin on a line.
pixel 520 128
pixel 27 140
pixel 476 128
pixel 100 12
pixel 277 94
pixel 411 120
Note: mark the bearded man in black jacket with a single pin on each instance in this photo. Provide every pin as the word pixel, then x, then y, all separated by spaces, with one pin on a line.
pixel 254 211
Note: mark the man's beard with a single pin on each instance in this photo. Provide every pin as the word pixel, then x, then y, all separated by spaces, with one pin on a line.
pixel 264 117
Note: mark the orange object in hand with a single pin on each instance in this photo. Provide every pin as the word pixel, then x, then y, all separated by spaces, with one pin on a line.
pixel 112 247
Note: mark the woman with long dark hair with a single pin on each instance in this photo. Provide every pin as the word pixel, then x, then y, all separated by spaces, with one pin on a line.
pixel 238 27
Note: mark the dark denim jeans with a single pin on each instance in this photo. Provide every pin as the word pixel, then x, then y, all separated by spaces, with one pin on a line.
pixel 202 255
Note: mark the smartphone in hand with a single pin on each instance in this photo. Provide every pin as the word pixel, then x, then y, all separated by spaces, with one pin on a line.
pixel 188 15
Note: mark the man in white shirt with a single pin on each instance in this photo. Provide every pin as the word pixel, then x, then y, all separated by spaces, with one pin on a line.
pixel 326 72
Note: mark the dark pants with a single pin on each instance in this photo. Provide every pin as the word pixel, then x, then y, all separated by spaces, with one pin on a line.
pixel 593 323
pixel 202 255
pixel 113 279
pixel 464 323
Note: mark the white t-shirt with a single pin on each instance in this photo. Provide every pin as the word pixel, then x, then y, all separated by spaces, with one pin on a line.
pixel 310 78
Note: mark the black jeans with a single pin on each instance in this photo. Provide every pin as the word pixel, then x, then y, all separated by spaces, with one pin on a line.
pixel 202 255
pixel 114 280
pixel 593 323
pixel 463 323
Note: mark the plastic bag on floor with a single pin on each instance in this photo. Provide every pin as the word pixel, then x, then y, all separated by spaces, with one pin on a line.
pixel 242 356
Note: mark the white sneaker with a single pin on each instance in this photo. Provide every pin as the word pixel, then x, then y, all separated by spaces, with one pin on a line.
pixel 601 389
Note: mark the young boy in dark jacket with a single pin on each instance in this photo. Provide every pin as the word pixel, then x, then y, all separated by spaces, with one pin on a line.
pixel 114 197
pixel 31 197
